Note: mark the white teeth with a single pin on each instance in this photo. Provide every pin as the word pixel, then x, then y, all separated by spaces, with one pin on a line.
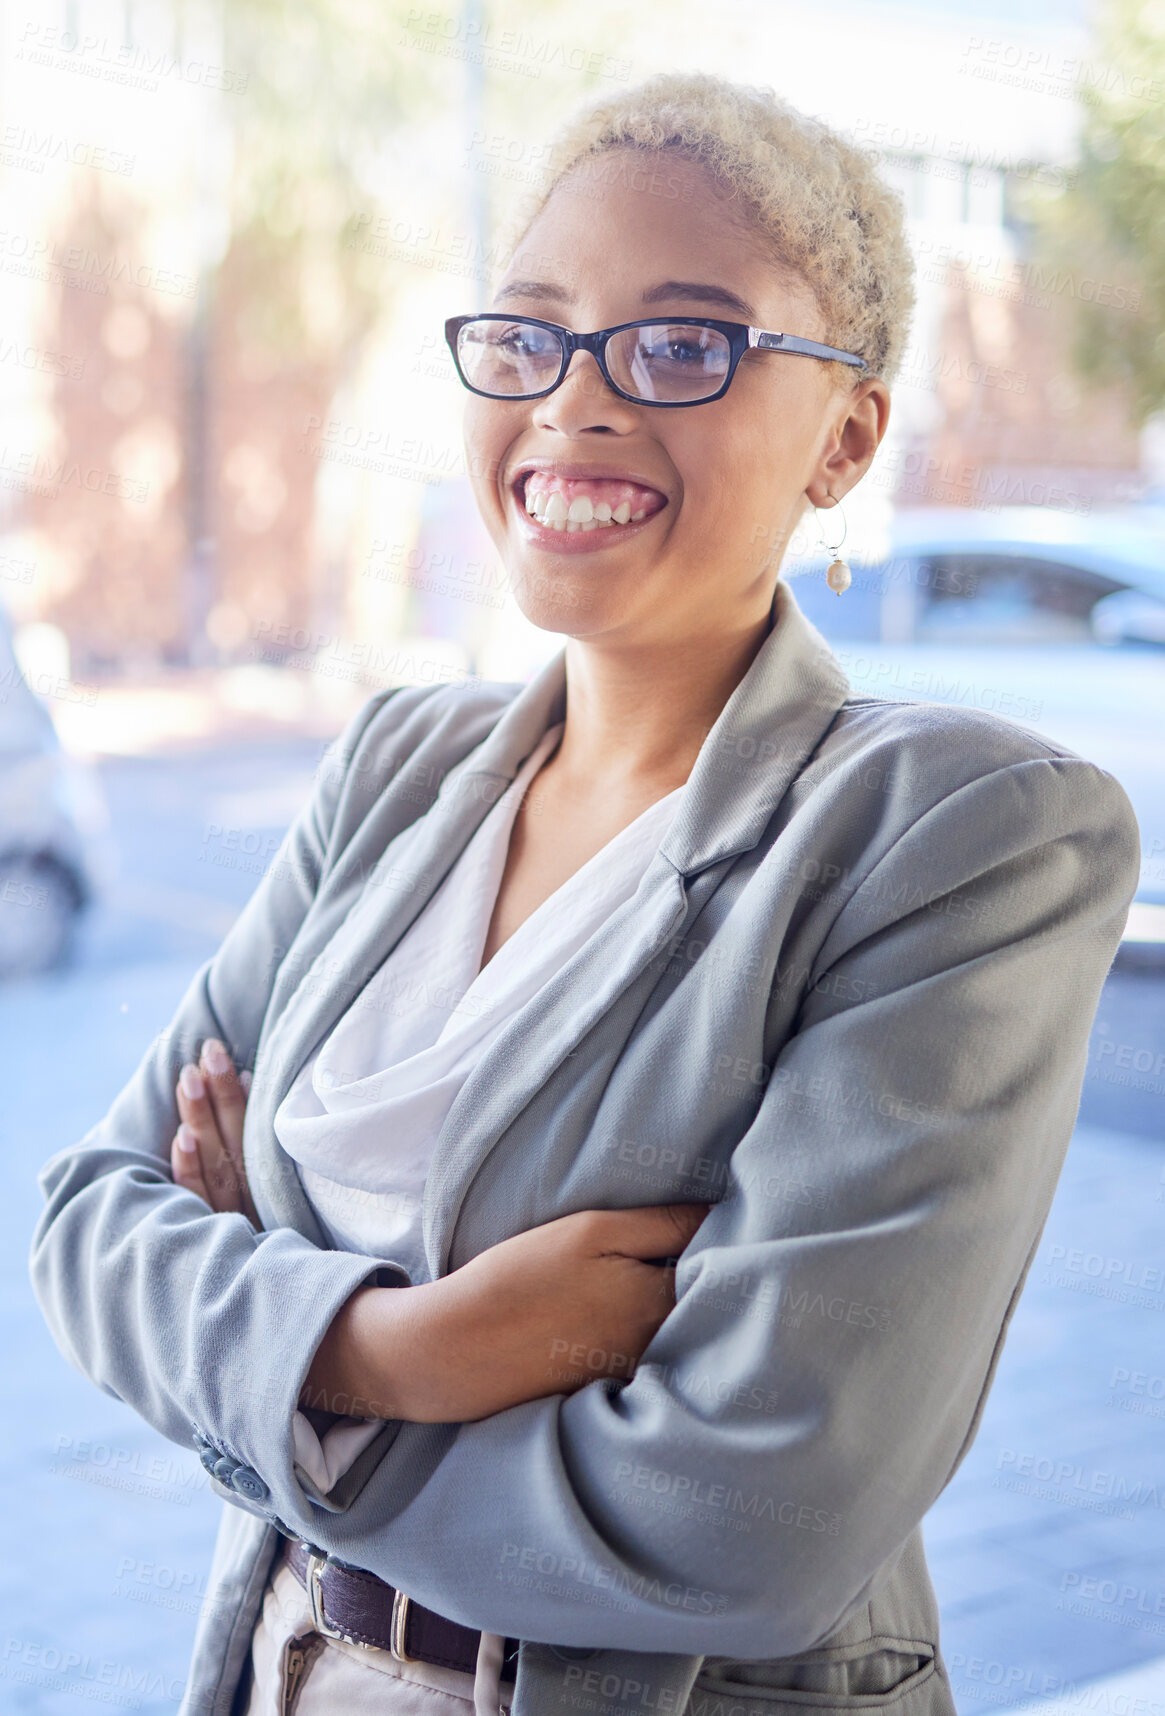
pixel 550 508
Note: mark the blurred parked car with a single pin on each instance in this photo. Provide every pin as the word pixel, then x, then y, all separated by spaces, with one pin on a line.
pixel 1019 575
pixel 1007 611
pixel 52 821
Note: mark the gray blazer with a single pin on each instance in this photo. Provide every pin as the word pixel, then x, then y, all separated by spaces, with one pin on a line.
pixel 848 1005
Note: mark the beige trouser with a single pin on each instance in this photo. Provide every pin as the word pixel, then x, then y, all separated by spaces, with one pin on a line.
pixel 298 1672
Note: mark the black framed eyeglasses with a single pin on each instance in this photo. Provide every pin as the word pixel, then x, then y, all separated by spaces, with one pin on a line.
pixel 652 362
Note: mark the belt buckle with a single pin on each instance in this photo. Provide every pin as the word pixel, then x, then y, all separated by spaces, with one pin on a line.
pixel 316 1562
pixel 398 1626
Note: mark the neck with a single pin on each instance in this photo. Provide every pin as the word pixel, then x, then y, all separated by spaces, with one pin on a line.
pixel 641 714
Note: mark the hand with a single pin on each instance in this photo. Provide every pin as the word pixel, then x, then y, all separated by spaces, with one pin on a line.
pixel 542 1313
pixel 206 1155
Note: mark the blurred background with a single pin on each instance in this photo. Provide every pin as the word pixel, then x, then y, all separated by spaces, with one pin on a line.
pixel 233 505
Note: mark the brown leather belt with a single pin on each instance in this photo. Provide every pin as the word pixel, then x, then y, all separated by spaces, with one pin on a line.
pixel 349 1603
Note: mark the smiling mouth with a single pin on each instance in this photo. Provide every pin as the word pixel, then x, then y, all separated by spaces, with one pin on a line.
pixel 585 503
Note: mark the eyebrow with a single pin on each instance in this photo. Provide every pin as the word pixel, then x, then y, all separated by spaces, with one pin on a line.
pixel 692 291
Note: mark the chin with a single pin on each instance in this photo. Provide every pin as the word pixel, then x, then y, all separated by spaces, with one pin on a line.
pixel 555 602
pixel 579 618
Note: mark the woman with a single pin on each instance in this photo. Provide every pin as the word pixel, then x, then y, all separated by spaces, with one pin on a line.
pixel 680 951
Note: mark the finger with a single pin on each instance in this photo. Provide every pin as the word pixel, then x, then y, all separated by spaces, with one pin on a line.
pixel 655 1230
pixel 663 1286
pixel 227 1096
pixel 686 1220
pixel 245 1078
pixel 186 1163
pixel 218 1168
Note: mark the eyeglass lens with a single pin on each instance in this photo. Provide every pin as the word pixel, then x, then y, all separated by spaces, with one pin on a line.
pixel 664 361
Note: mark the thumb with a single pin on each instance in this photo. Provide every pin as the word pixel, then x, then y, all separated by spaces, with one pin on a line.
pixel 657 1230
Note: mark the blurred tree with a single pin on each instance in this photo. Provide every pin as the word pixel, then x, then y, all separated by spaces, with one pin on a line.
pixel 108 504
pixel 332 90
pixel 335 119
pixel 1101 238
pixel 326 87
pixel 320 87
pixel 343 107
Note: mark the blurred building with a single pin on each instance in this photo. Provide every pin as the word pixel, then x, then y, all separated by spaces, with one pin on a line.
pixel 994 415
pixel 189 494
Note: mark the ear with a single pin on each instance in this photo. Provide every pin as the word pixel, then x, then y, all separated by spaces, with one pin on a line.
pixel 860 418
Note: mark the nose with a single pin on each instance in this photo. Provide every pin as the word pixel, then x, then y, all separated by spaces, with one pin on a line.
pixel 582 402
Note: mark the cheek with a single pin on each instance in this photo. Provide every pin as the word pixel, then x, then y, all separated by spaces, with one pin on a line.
pixel 730 469
pixel 486 440
pixel 729 492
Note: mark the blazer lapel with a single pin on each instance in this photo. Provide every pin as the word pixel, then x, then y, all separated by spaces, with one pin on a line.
pixel 770 726
pixel 387 905
pixel 765 735
pixel 767 730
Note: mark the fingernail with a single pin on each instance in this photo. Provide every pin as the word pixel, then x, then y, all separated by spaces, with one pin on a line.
pixel 216 1058
pixel 186 1139
pixel 191 1081
pixel 245 1078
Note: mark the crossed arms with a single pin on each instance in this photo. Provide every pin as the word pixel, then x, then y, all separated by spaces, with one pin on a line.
pixel 930 1207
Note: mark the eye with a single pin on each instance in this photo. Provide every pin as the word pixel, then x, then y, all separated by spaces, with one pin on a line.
pixel 520 342
pixel 674 348
pixel 680 345
pixel 517 342
pixel 507 357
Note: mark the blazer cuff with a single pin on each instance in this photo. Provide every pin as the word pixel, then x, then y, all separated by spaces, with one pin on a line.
pixel 259 1444
pixel 323 1460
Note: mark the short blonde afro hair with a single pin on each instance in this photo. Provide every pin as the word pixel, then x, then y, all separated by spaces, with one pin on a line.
pixel 815 201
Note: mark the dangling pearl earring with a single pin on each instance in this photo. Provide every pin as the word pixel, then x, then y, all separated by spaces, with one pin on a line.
pixel 838 576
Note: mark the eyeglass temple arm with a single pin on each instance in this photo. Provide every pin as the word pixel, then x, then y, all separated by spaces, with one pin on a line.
pixel 801 348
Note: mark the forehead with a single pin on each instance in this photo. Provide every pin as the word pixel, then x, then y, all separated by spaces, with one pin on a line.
pixel 622 222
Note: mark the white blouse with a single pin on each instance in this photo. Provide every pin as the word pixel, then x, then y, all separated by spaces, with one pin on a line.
pixel 362 1117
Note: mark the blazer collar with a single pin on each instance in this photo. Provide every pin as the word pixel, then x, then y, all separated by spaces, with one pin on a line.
pixel 770 726
pixel 766 732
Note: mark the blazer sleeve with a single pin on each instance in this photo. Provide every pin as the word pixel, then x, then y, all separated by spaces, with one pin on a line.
pixel 178 1312
pixel 841 1312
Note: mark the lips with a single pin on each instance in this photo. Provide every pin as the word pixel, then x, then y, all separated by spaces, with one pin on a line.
pixel 572 478
pixel 560 498
pixel 578 508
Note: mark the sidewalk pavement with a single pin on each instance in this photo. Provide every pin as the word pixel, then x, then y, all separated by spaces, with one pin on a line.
pixel 1048 1546
pixel 186 708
